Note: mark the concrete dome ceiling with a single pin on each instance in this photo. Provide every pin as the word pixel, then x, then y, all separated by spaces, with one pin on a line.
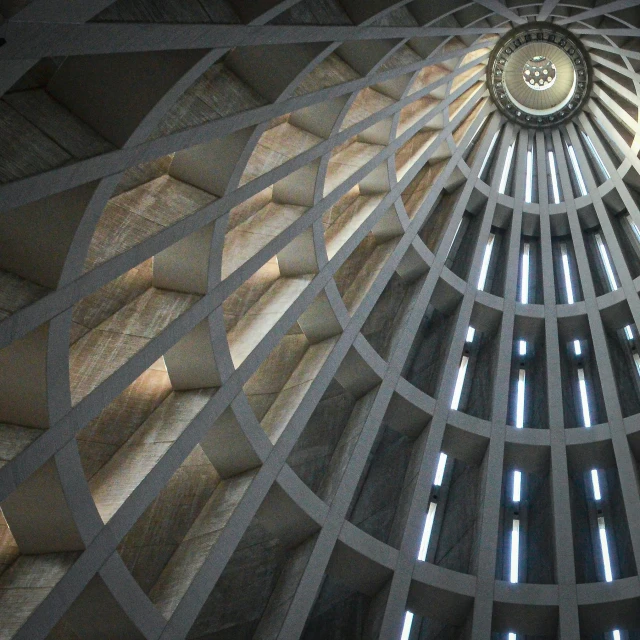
pixel 261 264
pixel 539 75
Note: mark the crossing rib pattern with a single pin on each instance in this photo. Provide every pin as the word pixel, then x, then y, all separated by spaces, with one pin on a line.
pixel 240 255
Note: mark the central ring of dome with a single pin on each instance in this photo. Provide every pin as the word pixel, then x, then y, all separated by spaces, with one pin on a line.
pixel 539 75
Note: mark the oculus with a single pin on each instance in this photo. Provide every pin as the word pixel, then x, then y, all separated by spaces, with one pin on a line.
pixel 539 73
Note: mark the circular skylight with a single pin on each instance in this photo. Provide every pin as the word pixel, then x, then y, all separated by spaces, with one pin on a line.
pixel 539 73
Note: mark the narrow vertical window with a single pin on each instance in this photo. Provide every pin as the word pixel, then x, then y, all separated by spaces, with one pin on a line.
pixel 596 485
pixel 628 332
pixel 486 260
pixel 431 513
pixel 606 262
pixel 524 275
pixel 406 627
pixel 512 636
pixel 577 172
pixel 426 532
pixel 455 236
pixel 522 347
pixel 520 400
pixel 577 348
pixel 442 462
pixel 515 550
pixel 636 361
pixel 554 177
pixel 567 273
pixel 596 156
pixel 517 486
pixel 615 635
pixel 457 392
pixel 582 384
pixel 529 176
pixel 520 386
pixel 507 169
pixel 634 228
pixel 604 546
pixel 486 158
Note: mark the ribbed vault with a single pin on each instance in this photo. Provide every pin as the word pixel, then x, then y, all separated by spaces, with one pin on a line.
pixel 261 264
